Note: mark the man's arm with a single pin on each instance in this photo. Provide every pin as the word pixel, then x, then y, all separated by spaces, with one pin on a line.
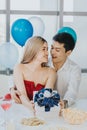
pixel 73 86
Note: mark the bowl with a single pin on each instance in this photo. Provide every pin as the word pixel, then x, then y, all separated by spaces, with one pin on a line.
pixel 74 116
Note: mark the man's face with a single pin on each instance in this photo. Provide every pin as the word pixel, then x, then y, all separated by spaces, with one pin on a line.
pixel 58 52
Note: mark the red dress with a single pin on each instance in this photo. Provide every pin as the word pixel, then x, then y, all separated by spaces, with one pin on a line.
pixel 30 88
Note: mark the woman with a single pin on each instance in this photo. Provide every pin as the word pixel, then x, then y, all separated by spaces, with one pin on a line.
pixel 33 74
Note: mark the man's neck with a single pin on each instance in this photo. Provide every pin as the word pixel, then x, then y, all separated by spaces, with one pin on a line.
pixel 58 65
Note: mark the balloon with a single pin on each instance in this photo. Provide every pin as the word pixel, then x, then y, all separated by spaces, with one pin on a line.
pixel 70 31
pixel 38 25
pixel 8 55
pixel 21 30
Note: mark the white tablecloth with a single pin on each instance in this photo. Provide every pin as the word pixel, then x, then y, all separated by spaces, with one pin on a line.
pixel 17 112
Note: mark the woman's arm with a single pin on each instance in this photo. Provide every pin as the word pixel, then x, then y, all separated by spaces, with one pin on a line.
pixel 15 94
pixel 19 83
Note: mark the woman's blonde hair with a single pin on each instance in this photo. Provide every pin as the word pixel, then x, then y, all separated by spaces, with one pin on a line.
pixel 31 49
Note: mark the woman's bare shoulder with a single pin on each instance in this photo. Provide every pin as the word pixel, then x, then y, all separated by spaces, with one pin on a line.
pixel 51 70
pixel 18 67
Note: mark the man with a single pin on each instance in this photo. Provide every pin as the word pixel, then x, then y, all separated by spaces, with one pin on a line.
pixel 68 72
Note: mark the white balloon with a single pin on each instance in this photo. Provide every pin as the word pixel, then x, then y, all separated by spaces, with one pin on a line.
pixel 38 26
pixel 8 55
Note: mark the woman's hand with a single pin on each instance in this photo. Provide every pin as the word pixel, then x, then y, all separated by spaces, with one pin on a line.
pixel 15 94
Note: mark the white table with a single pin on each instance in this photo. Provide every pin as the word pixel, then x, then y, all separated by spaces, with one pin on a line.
pixel 17 112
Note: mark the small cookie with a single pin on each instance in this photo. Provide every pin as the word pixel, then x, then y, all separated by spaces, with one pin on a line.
pixel 32 121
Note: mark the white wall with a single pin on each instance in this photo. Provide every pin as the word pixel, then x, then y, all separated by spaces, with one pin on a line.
pixel 83 86
pixel 5 83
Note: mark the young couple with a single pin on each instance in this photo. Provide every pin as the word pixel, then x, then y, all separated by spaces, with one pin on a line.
pixel 33 74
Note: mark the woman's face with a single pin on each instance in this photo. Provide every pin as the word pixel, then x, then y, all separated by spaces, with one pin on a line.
pixel 42 54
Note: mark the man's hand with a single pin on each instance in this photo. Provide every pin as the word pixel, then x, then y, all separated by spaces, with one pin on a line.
pixel 15 94
pixel 63 105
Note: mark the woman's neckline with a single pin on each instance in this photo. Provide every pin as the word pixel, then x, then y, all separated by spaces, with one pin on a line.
pixel 35 84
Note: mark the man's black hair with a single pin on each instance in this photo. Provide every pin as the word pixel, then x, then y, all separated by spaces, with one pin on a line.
pixel 66 39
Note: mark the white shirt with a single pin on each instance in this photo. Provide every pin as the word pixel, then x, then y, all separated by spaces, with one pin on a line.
pixel 68 81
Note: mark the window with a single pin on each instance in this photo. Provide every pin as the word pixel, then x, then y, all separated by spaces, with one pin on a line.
pixel 54 15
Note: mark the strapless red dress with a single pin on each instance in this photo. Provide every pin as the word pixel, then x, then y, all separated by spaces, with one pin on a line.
pixel 30 88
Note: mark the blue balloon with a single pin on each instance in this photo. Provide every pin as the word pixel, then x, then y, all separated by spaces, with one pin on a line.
pixel 21 30
pixel 69 31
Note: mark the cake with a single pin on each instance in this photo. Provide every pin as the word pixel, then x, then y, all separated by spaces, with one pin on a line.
pixel 46 103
